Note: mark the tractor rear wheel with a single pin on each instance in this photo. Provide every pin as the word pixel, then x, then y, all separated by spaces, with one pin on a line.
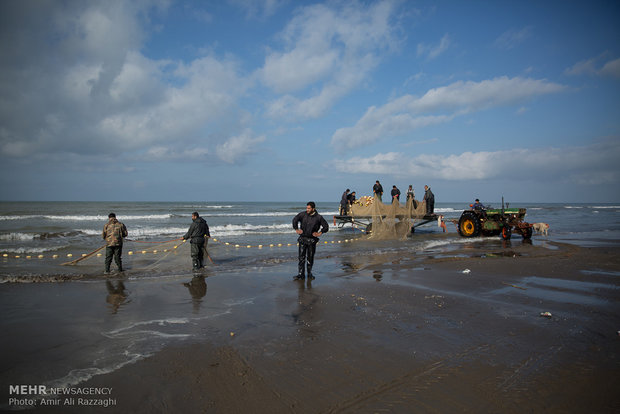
pixel 469 225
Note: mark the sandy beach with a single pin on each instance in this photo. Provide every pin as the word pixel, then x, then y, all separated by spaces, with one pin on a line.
pixel 396 333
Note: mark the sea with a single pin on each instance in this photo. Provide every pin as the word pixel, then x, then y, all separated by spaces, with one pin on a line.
pixel 36 238
pixel 76 322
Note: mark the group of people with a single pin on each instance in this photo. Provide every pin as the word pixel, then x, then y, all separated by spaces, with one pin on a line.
pixel 114 232
pixel 308 224
pixel 348 198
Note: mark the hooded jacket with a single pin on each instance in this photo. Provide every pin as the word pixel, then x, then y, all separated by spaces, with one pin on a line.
pixel 197 231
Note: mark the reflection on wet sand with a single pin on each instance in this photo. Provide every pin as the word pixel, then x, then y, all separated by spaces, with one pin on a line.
pixel 305 317
pixel 116 294
pixel 197 289
pixel 378 275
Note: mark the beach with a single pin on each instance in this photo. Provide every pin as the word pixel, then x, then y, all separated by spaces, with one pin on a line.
pixel 385 333
pixel 434 323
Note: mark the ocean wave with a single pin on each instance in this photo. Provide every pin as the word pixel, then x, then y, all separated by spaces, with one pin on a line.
pixel 79 217
pixel 18 236
pixel 160 322
pixel 448 210
pixel 445 242
pixel 265 214
pixel 32 250
pixel 147 232
pixel 77 376
pixel 206 206
pixel 240 230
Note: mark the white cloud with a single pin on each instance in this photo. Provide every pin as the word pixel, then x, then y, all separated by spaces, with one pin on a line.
pixel 208 95
pixel 611 68
pixel 162 153
pixel 238 147
pixel 593 67
pixel 433 51
pixel 259 9
pixel 329 48
pixel 584 67
pixel 513 38
pixel 407 113
pixel 85 87
pixel 593 164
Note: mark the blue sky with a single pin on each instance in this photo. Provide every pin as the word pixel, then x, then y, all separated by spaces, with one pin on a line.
pixel 279 100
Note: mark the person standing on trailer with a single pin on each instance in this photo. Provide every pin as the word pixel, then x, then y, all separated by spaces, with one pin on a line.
pixel 395 193
pixel 429 197
pixel 344 203
pixel 377 190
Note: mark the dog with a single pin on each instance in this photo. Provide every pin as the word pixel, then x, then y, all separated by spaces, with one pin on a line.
pixel 541 228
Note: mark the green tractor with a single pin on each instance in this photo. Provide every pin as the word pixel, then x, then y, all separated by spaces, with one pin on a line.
pixel 493 222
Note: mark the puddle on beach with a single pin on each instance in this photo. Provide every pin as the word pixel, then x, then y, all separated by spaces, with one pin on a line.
pixel 600 272
pixel 508 253
pixel 560 290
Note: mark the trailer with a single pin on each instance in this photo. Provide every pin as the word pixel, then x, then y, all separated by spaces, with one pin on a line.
pixel 364 223
pixel 406 217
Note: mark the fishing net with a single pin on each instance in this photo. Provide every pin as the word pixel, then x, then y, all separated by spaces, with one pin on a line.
pixel 389 221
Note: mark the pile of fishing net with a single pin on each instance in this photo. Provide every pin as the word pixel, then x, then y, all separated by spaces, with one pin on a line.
pixel 389 221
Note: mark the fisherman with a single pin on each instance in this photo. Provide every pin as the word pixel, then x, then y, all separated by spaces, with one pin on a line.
pixel 309 225
pixel 113 233
pixel 395 194
pixel 478 205
pixel 344 203
pixel 429 197
pixel 410 193
pixel 198 233
pixel 351 198
pixel 377 189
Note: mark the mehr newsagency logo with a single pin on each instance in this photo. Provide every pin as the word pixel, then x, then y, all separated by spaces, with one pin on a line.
pixel 41 395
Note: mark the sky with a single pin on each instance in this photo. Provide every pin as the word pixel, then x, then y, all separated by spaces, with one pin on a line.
pixel 283 100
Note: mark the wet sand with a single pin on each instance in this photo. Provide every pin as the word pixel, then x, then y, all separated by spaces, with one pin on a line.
pixel 400 334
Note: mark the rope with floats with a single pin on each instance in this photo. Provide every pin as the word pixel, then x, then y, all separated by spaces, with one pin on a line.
pixel 230 244
pixel 74 262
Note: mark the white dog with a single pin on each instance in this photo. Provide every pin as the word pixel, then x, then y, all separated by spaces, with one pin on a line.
pixel 541 228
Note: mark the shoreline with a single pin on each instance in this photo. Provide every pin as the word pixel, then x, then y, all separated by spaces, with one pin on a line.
pixel 398 332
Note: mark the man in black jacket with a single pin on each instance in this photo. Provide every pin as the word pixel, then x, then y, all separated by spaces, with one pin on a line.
pixel 197 233
pixel 429 197
pixel 309 225
pixel 377 190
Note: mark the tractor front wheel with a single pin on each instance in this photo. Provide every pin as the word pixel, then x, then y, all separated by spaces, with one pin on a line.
pixel 469 225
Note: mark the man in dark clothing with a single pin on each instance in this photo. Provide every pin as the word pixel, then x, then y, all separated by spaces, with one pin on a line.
pixel 351 198
pixel 377 189
pixel 113 233
pixel 307 224
pixel 429 197
pixel 197 233
pixel 395 193
pixel 344 203
pixel 478 205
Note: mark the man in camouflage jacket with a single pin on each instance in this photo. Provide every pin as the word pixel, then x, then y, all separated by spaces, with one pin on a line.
pixel 113 233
